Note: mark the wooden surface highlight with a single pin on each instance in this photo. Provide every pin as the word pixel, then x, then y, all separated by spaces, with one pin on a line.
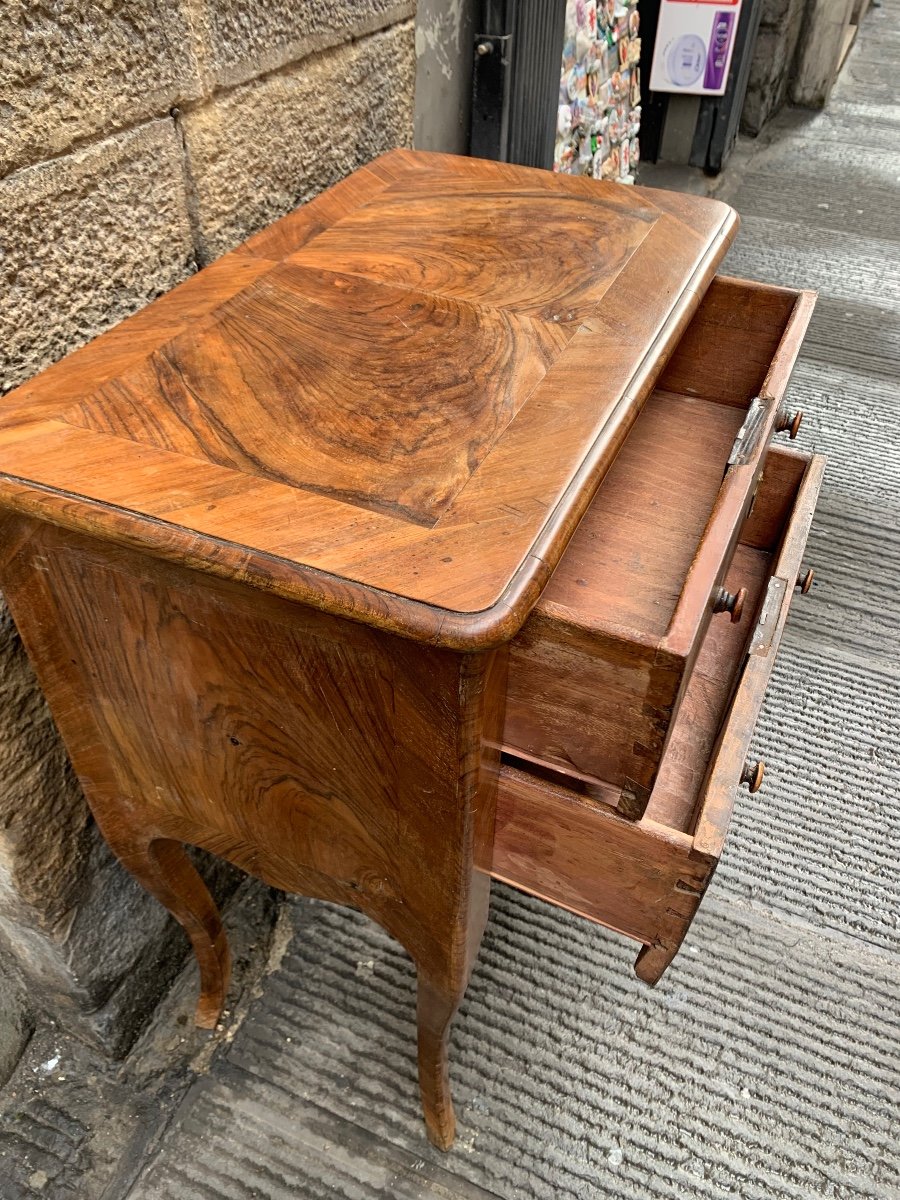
pixel 387 405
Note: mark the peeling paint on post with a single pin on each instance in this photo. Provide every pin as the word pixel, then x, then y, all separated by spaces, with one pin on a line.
pixel 444 48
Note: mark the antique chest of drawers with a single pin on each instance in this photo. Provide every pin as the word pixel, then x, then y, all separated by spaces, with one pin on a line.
pixel 435 534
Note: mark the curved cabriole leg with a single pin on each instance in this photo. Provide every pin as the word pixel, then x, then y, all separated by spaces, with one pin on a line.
pixel 652 962
pixel 436 1007
pixel 161 866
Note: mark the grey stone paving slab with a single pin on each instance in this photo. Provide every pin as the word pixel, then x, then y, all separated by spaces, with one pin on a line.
pixel 851 118
pixel 877 47
pixel 853 417
pixel 814 195
pixel 873 77
pixel 764 1065
pixel 68 1122
pixel 854 546
pixel 801 157
pixel 284 1148
pixel 819 840
pixel 859 335
pixel 75 1125
pixel 796 254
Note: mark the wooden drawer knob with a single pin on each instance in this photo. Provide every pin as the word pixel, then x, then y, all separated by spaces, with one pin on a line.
pixel 805 580
pixel 753 773
pixel 790 421
pixel 731 602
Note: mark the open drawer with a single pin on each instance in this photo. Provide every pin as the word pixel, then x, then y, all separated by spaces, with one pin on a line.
pixel 598 672
pixel 645 878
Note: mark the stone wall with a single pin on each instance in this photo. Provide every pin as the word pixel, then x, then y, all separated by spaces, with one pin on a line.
pixel 139 140
pixel 780 26
pixel 795 57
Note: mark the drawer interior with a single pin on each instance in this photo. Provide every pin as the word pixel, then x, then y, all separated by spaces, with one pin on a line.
pixel 626 565
pixel 598 672
pixel 646 877
pixel 734 347
pixel 675 796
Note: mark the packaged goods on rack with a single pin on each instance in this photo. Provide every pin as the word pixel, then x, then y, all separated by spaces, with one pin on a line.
pixel 600 91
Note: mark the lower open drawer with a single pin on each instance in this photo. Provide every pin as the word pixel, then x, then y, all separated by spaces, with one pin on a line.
pixel 646 878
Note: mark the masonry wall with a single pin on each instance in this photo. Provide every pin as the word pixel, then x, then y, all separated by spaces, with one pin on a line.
pixel 140 140
pixel 780 28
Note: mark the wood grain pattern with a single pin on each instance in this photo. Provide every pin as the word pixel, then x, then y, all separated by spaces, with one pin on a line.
pixel 386 406
pixel 321 756
pixel 646 878
pixel 281 387
pixel 267 541
pixel 600 668
pixel 728 354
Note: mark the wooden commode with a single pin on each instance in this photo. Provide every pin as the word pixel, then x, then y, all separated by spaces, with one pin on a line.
pixel 434 534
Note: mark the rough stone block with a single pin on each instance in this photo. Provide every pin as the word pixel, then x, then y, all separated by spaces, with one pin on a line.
pixel 773 56
pixel 825 24
pixel 244 38
pixel 263 148
pixel 87 239
pixel 43 816
pixel 774 12
pixel 71 70
pixel 16 1019
pixel 121 950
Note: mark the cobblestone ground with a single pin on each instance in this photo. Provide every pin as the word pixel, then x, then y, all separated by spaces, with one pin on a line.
pixel 765 1065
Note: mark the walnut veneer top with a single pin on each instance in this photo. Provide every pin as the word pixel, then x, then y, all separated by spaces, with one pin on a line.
pixel 393 404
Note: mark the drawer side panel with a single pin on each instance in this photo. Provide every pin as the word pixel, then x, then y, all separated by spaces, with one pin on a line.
pixel 636 878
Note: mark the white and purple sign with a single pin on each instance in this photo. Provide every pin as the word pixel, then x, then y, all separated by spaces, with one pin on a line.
pixel 694 44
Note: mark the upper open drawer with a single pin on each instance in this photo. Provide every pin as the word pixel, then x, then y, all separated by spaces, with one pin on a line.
pixel 597 673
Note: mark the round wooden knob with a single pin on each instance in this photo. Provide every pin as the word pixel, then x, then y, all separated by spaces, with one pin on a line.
pixel 730 602
pixel 484 48
pixel 805 580
pixel 789 421
pixel 753 773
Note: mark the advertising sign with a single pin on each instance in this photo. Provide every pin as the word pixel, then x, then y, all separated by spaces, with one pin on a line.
pixel 694 44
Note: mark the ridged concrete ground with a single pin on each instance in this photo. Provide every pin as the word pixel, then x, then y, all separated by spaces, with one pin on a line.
pixel 765 1066
pixel 762 1069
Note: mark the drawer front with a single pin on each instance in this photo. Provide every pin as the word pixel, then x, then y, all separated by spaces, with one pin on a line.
pixel 598 672
pixel 787 578
pixel 645 878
